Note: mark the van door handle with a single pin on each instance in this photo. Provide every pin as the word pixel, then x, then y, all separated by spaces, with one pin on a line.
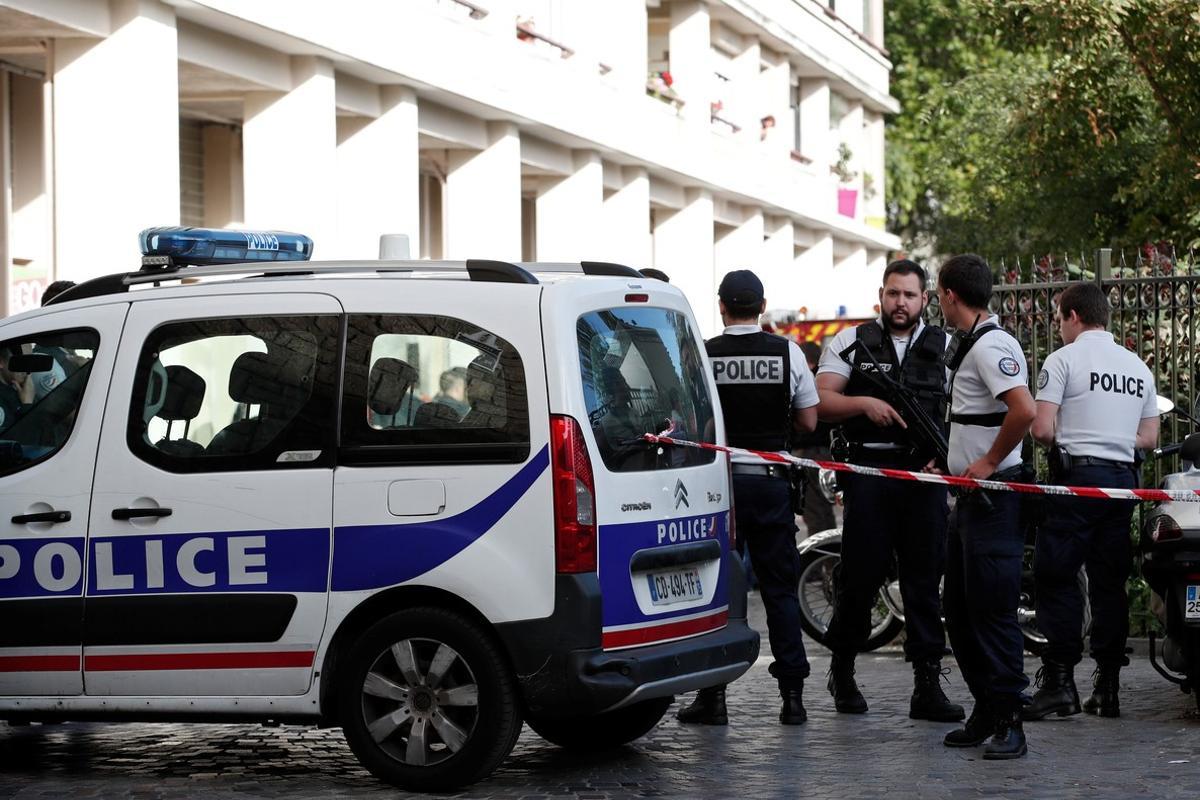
pixel 130 513
pixel 53 517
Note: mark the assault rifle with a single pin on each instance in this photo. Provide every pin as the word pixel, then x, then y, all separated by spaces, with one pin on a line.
pixel 926 432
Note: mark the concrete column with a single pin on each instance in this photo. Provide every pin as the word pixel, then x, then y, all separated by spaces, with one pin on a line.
pixel 683 248
pixel 224 198
pixel 875 20
pixel 483 197
pixel 116 124
pixel 850 131
pixel 626 214
pixel 774 99
pixel 743 99
pixel 876 263
pixel 873 162
pixel 289 144
pixel 813 275
pixel 814 123
pixel 778 251
pixel 378 184
pixel 741 248
pixel 855 290
pixel 623 42
pixel 31 222
pixel 691 58
pixel 568 211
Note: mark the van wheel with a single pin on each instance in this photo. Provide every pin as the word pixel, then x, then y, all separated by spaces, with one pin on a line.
pixel 427 701
pixel 603 731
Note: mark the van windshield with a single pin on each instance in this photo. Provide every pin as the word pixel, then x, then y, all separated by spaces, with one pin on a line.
pixel 642 373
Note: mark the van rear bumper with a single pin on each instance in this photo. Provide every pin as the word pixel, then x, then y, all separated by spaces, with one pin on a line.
pixel 563 671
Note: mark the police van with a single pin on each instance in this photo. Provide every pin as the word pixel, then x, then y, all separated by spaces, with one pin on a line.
pixel 406 498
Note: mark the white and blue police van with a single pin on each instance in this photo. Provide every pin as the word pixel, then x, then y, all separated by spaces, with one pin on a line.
pixel 406 498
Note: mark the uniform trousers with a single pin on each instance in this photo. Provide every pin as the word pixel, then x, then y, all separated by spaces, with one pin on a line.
pixel 766 525
pixel 1076 532
pixel 885 519
pixel 982 592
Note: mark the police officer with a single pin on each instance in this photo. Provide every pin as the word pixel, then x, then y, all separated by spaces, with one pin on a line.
pixel 991 411
pixel 767 392
pixel 1095 401
pixel 883 517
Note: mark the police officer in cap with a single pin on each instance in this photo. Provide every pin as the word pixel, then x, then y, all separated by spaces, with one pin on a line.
pixel 767 392
pixel 991 411
pixel 1096 403
pixel 886 518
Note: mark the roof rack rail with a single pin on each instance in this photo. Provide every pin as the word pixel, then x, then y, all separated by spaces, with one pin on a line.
pixel 609 268
pixel 498 272
pixel 480 270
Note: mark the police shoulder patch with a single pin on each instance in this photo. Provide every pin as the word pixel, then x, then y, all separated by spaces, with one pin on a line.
pixel 1043 379
pixel 1010 366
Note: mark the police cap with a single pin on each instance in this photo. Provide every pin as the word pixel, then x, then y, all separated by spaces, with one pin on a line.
pixel 740 288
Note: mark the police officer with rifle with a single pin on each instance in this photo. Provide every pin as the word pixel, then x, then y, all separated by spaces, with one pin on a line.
pixel 885 383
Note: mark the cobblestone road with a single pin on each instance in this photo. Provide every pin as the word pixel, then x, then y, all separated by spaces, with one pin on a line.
pixel 1152 751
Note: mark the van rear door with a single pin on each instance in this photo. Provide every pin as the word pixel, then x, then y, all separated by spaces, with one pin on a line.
pixel 662 512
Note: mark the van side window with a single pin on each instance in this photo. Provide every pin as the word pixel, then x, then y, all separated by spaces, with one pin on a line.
pixel 426 389
pixel 42 379
pixel 235 394
pixel 642 373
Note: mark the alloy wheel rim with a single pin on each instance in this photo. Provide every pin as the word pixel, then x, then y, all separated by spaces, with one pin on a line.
pixel 420 701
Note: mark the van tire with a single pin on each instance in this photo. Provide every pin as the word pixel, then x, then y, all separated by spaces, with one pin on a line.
pixel 386 681
pixel 603 731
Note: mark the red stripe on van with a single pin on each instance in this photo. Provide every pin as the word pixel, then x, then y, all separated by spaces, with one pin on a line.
pixel 164 661
pixel 39 663
pixel 658 633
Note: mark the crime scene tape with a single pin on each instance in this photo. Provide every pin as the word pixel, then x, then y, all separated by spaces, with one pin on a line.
pixel 1183 495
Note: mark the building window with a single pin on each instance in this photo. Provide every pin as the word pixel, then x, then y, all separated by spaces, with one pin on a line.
pixel 191 173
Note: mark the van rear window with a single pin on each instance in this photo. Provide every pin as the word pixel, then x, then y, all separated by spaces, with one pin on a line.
pixel 642 373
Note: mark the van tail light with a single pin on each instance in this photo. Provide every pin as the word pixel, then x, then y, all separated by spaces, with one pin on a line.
pixel 1163 528
pixel 732 516
pixel 574 497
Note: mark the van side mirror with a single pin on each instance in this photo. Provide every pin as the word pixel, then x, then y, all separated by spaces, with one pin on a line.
pixel 31 362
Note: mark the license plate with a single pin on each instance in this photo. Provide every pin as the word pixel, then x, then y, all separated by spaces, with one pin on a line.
pixel 676 586
pixel 1191 608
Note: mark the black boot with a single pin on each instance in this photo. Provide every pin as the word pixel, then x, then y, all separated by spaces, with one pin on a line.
pixel 1009 739
pixel 980 726
pixel 1106 682
pixel 1056 692
pixel 928 699
pixel 793 712
pixel 846 697
pixel 707 709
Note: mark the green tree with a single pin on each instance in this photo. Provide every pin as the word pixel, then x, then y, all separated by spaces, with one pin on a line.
pixel 1044 125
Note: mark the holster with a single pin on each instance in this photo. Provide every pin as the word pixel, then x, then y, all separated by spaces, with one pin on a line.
pixel 797 480
pixel 1058 463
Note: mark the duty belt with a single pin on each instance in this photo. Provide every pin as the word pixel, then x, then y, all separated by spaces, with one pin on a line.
pixel 1094 461
pixel 762 470
pixel 983 420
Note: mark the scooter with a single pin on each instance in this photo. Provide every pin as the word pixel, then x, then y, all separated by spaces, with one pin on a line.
pixel 1170 547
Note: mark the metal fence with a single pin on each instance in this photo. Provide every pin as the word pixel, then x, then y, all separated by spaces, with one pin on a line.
pixel 1155 296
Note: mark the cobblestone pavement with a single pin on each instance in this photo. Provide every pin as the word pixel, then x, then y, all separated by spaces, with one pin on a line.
pixel 1152 751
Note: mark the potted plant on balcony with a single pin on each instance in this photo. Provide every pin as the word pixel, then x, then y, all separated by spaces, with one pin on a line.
pixel 847 198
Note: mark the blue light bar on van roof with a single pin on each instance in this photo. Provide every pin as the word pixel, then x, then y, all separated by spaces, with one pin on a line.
pixel 195 246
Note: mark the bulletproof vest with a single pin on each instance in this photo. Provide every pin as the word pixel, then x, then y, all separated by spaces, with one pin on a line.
pixel 922 372
pixel 754 381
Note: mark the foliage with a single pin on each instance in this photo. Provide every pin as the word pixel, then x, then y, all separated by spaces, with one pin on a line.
pixel 1044 125
pixel 841 168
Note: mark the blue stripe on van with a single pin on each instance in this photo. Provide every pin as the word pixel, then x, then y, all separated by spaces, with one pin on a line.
pixel 374 556
pixel 619 542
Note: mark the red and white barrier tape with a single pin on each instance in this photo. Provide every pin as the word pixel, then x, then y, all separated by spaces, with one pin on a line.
pixel 1184 495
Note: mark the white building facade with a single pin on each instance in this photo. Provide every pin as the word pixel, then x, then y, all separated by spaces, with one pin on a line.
pixel 695 136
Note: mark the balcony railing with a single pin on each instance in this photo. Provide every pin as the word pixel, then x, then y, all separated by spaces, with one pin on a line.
pixel 527 33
